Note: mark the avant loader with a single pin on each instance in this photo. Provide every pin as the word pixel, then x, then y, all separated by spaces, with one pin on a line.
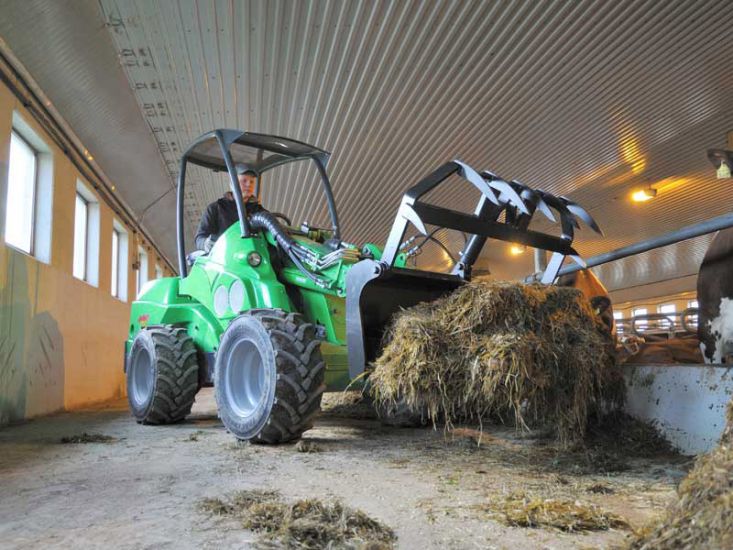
pixel 276 314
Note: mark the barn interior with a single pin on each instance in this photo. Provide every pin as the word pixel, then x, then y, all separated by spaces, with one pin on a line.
pixel 621 113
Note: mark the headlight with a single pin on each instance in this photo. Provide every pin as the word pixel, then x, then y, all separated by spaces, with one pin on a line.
pixel 236 296
pixel 221 301
pixel 254 259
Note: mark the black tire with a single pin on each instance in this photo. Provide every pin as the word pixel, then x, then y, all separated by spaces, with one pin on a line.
pixel 162 375
pixel 269 376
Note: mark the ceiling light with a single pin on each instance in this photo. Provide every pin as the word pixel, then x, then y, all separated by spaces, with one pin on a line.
pixel 643 195
pixel 517 249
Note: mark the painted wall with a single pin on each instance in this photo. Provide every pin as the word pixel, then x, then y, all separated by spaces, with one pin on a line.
pixel 60 338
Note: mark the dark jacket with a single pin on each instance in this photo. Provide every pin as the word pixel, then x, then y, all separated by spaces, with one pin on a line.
pixel 219 216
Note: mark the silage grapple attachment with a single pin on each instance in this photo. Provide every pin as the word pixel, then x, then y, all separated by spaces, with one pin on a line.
pixel 376 288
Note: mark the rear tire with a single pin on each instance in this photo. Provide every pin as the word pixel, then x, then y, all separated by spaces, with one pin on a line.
pixel 269 376
pixel 162 375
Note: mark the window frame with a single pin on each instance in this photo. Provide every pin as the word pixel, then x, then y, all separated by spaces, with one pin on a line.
pixel 141 253
pixel 115 279
pixel 642 325
pixel 34 197
pixel 662 307
pixel 85 193
pixel 85 255
pixel 122 274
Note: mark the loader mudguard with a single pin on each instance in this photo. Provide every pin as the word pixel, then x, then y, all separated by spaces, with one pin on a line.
pixel 160 303
pixel 374 293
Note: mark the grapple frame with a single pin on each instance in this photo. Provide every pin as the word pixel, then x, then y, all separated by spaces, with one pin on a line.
pixel 377 288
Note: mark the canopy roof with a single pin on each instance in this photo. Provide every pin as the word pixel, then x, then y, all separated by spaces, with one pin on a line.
pixel 259 152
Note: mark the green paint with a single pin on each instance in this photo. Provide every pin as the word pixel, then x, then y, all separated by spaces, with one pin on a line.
pixel 190 302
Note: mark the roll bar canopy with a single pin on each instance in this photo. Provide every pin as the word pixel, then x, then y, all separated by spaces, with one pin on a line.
pixel 223 149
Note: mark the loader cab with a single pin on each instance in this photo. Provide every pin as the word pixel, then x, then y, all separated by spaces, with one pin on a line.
pixel 221 150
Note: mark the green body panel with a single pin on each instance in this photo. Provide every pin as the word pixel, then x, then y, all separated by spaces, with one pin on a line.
pixel 376 252
pixel 160 303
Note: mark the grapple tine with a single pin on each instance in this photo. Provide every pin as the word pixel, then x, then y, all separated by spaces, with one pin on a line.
pixel 583 214
pixel 567 220
pixel 412 216
pixel 580 261
pixel 506 190
pixel 542 207
pixel 472 176
pixel 535 198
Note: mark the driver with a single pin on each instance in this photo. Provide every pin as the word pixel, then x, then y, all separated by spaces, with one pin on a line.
pixel 222 213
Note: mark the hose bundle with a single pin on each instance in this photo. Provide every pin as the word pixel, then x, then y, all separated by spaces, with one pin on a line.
pixel 298 253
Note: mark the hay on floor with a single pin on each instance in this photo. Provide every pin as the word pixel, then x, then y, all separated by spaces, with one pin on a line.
pixel 87 438
pixel 520 510
pixel 530 353
pixel 702 516
pixel 305 524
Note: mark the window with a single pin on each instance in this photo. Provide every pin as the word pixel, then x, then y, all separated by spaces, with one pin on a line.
pixel 28 206
pixel 667 309
pixel 81 217
pixel 115 285
pixel 118 287
pixel 692 303
pixel 617 317
pixel 142 270
pixel 638 312
pixel 86 235
pixel 20 206
pixel 158 271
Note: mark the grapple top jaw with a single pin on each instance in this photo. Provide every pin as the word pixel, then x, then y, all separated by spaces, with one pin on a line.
pixel 518 201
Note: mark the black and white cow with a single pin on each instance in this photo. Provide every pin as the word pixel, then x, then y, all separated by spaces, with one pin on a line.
pixel 715 300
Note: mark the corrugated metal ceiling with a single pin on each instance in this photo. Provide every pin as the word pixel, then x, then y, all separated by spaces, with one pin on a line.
pixel 69 53
pixel 588 99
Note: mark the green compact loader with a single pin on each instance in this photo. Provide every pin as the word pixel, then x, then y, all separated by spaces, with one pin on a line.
pixel 274 314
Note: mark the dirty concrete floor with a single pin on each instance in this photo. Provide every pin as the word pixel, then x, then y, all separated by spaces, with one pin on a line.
pixel 143 489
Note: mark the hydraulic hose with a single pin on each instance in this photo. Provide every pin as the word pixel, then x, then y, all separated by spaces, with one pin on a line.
pixel 265 221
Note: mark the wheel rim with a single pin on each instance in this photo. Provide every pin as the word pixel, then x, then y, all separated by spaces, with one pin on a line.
pixel 142 375
pixel 245 378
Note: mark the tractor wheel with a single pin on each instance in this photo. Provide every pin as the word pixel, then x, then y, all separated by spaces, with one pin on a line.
pixel 269 376
pixel 162 375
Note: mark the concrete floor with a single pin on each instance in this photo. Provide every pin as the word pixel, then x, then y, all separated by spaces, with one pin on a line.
pixel 142 490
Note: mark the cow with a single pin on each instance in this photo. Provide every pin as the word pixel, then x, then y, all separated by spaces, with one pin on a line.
pixel 715 300
pixel 593 289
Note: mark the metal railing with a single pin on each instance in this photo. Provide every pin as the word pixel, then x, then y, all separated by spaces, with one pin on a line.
pixel 659 326
pixel 689 232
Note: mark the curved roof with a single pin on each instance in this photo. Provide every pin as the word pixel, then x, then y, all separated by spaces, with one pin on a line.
pixel 259 152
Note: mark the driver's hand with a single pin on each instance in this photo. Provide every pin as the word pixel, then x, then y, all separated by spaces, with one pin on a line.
pixel 209 243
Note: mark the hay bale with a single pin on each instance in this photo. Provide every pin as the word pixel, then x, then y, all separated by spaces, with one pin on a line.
pixel 527 352
pixel 702 517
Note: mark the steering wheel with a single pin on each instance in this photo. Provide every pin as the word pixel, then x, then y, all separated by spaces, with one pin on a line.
pixel 283 217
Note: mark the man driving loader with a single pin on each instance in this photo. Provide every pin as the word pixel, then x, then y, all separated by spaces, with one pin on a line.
pixel 222 213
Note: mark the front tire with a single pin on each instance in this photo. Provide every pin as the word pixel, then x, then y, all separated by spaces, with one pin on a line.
pixel 162 375
pixel 269 376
